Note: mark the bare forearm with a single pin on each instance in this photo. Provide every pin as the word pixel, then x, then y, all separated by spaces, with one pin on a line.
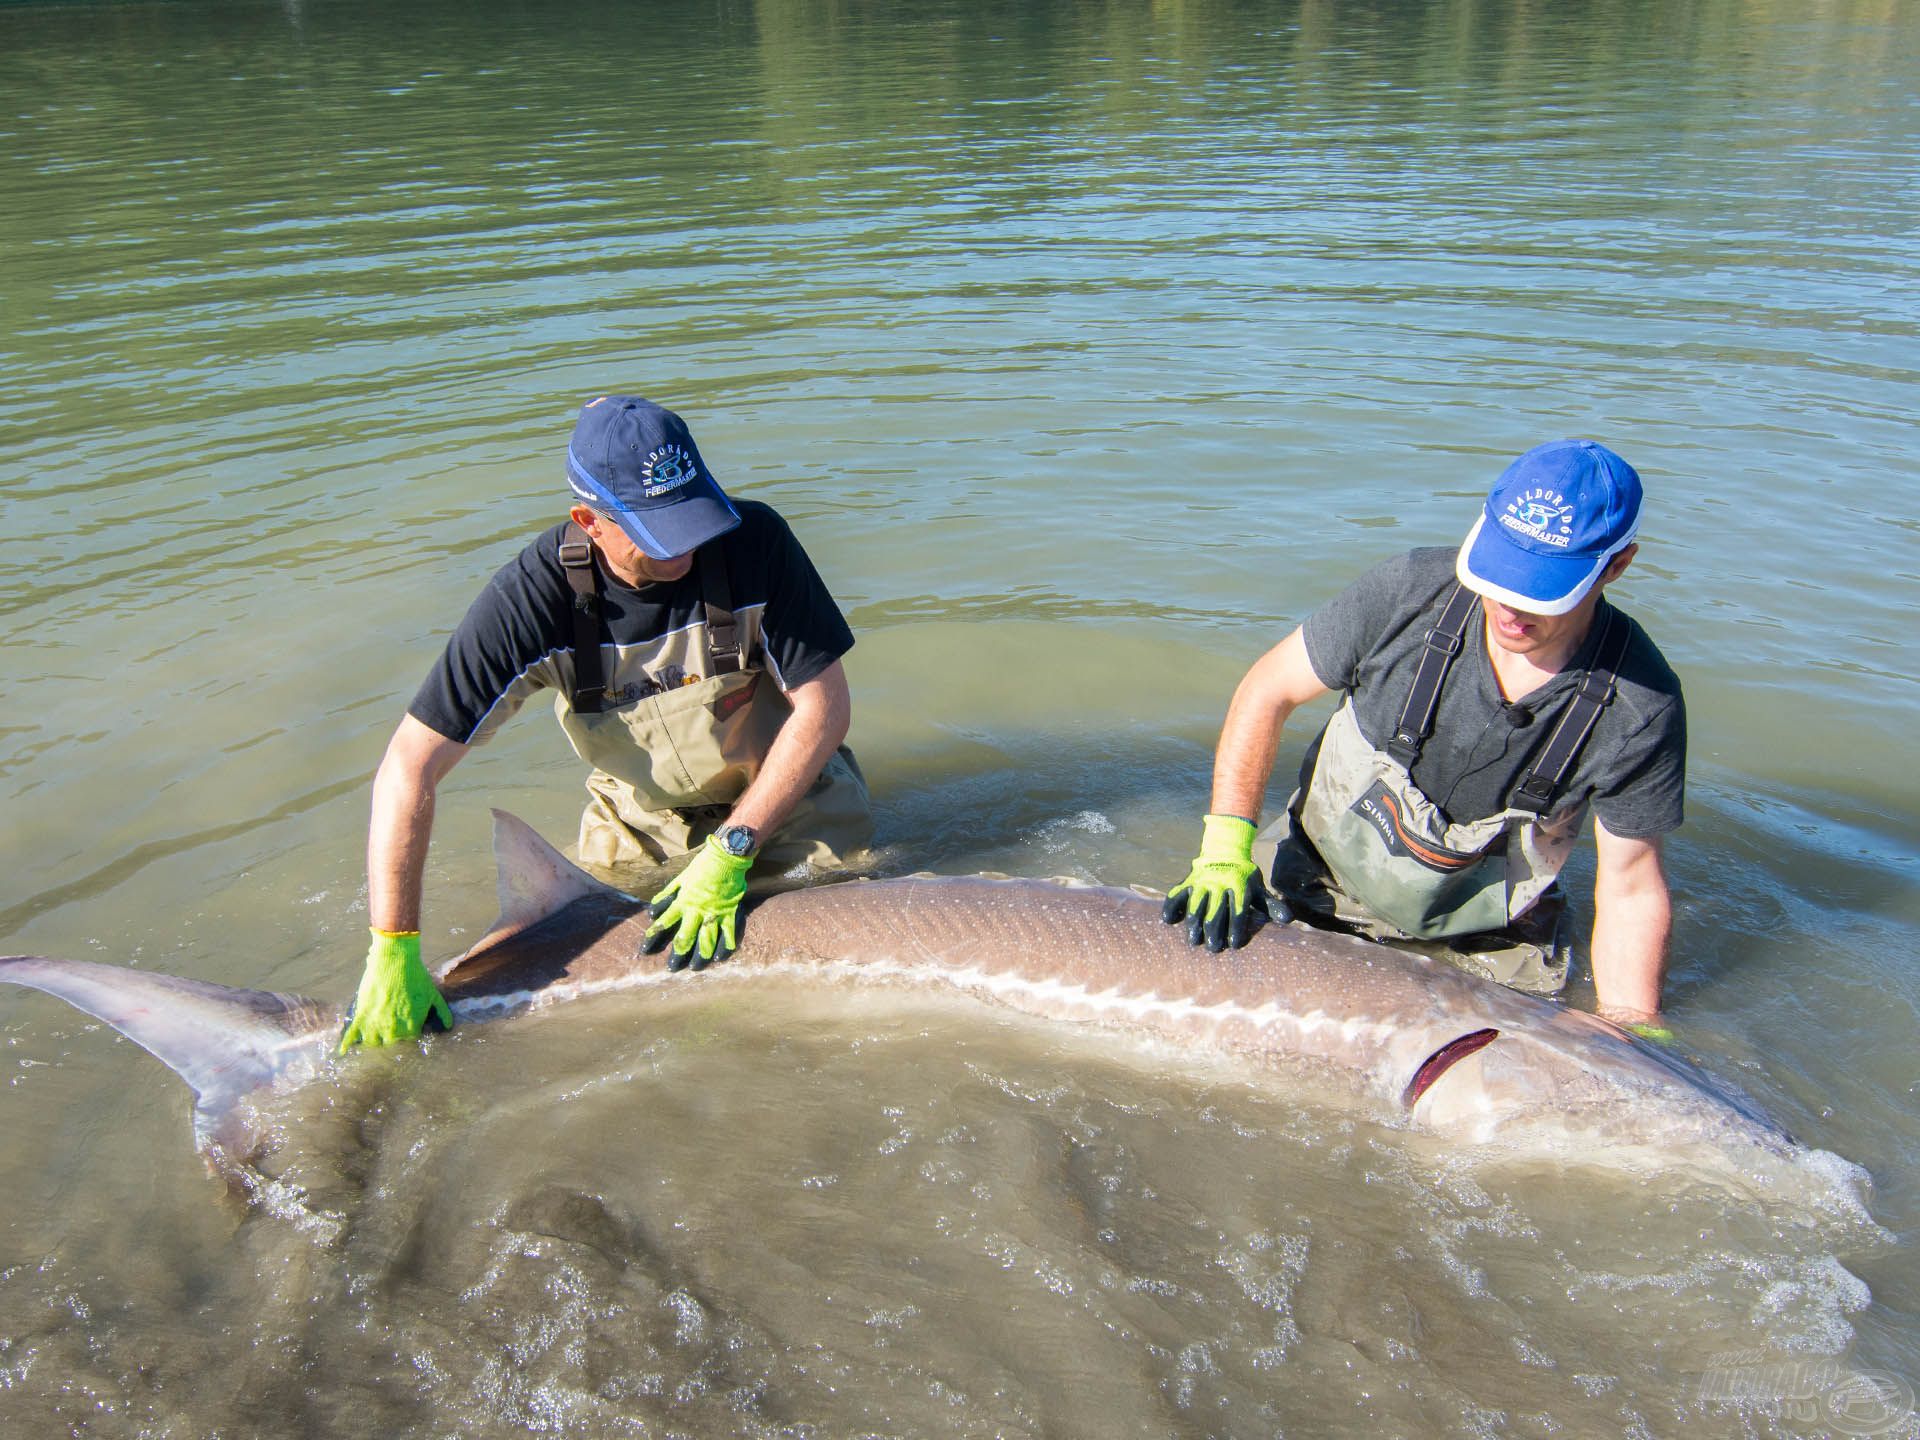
pixel 1631 923
pixel 812 733
pixel 401 826
pixel 1279 682
pixel 397 841
pixel 1243 761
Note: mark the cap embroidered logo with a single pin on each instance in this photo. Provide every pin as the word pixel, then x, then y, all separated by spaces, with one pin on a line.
pixel 1532 514
pixel 667 469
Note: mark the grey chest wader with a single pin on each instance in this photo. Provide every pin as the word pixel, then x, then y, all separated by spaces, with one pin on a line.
pixel 1379 857
pixel 669 760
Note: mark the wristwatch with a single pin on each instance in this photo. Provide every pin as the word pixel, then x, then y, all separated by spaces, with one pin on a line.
pixel 739 839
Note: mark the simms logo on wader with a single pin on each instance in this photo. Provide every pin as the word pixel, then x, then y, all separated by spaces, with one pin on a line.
pixel 1381 810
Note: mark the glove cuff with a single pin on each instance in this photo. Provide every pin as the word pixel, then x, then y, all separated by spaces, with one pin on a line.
pixel 736 864
pixel 393 949
pixel 1227 837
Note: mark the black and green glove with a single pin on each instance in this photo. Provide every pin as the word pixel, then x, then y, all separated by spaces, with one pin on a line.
pixel 1218 899
pixel 699 908
pixel 397 998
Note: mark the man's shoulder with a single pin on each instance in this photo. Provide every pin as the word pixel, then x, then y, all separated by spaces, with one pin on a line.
pixel 1647 682
pixel 1414 577
pixel 763 555
pixel 761 529
pixel 538 563
pixel 533 581
pixel 755 513
pixel 1427 572
pixel 1404 584
pixel 1357 632
pixel 1639 764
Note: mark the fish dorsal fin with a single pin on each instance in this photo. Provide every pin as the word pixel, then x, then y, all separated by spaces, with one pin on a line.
pixel 535 880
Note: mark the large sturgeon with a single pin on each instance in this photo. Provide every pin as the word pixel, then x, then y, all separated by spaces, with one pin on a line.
pixel 1453 1054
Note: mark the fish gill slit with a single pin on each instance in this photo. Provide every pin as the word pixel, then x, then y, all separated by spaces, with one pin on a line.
pixel 1443 1060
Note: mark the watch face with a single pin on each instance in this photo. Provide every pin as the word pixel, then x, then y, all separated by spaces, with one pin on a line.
pixel 738 839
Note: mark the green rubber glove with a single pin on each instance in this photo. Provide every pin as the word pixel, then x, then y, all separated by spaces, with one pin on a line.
pixel 397 998
pixel 699 908
pixel 1220 895
pixel 1651 1030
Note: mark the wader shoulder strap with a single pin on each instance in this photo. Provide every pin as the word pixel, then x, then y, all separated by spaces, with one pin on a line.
pixel 1423 696
pixel 589 682
pixel 1536 788
pixel 723 631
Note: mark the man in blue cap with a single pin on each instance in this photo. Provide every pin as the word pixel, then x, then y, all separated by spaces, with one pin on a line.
pixel 1492 697
pixel 694 655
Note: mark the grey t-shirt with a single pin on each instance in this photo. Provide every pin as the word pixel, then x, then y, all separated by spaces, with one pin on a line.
pixel 1367 642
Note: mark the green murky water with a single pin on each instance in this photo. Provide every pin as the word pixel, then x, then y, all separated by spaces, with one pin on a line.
pixel 1087 348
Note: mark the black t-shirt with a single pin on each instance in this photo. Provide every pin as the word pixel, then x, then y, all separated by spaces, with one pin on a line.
pixel 518 636
pixel 1367 641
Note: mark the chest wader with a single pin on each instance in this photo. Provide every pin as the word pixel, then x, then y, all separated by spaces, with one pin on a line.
pixel 669 762
pixel 1380 858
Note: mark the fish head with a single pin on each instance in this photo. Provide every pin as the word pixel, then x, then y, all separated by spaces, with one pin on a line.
pixel 1571 1077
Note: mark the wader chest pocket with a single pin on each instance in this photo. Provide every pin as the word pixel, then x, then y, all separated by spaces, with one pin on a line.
pixel 733 699
pixel 1379 808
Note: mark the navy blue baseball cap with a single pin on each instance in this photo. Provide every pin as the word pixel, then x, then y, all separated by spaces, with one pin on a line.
pixel 636 463
pixel 1553 520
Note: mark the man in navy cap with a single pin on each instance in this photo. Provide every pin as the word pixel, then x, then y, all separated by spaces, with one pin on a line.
pixel 1491 698
pixel 694 656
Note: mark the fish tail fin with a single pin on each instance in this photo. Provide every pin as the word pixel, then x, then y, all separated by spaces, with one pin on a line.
pixel 225 1043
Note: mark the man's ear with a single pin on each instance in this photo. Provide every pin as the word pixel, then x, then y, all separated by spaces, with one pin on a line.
pixel 1617 566
pixel 584 518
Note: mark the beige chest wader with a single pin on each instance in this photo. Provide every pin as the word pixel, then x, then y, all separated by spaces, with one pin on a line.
pixel 668 764
pixel 1402 870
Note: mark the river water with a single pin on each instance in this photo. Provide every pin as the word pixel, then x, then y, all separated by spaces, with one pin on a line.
pixel 1087 348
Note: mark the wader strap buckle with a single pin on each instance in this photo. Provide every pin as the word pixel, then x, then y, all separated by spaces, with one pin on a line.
pixel 1443 644
pixel 723 629
pixel 1544 777
pixel 589 680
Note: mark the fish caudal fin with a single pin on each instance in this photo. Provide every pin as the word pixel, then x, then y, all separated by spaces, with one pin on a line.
pixel 225 1043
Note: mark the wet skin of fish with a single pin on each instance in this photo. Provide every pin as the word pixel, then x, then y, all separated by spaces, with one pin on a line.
pixel 1451 1053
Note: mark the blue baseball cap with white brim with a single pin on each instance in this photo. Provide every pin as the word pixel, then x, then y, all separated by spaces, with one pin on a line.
pixel 635 462
pixel 1552 521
